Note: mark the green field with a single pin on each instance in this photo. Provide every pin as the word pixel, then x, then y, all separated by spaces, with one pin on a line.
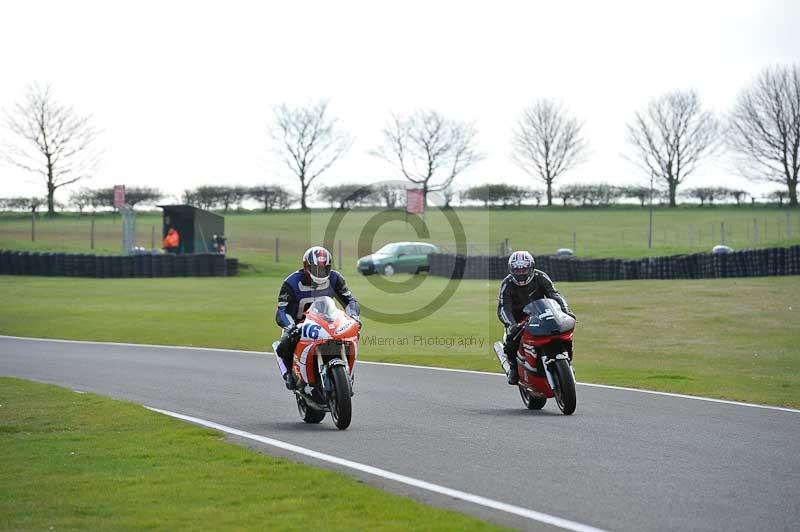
pixel 610 232
pixel 726 338
pixel 82 462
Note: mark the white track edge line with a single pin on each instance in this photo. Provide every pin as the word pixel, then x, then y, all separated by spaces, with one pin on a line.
pixel 364 468
pixel 429 368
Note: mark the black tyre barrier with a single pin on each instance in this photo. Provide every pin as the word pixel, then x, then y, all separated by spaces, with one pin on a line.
pixel 168 265
pixel 26 263
pixel 157 268
pixel 58 264
pixel 203 261
pixel 116 266
pixel 147 265
pixel 745 263
pixel 181 266
pixel 106 262
pixel 232 266
pixel 138 265
pixel 85 266
pixel 36 264
pixel 127 266
pixel 218 265
pixel 5 263
pixel 47 264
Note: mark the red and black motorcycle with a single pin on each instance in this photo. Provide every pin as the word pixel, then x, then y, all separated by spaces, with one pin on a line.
pixel 544 357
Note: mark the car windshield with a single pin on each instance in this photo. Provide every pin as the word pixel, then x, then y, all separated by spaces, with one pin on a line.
pixel 324 307
pixel 388 249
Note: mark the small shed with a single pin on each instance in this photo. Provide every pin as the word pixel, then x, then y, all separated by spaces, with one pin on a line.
pixel 200 231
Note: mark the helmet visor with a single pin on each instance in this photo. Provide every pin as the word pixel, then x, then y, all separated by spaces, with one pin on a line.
pixel 320 271
pixel 522 275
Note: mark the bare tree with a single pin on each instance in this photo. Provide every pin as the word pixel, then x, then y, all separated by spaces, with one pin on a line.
pixel 640 193
pixel 271 196
pixel 547 142
pixel 346 195
pixel 764 128
pixel 53 141
pixel 708 194
pixel 429 149
pixel 81 198
pixel 672 136
pixel 392 193
pixel 308 141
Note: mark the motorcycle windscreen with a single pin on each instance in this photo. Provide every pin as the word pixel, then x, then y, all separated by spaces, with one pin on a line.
pixel 325 308
pixel 547 318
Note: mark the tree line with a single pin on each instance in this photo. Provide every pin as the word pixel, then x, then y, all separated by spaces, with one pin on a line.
pixel 668 140
pixel 389 195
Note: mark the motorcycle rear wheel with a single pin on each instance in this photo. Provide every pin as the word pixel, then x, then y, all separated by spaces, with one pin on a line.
pixel 339 398
pixel 531 402
pixel 565 392
pixel 308 414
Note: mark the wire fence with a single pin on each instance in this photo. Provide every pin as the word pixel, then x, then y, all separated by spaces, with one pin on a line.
pixel 104 234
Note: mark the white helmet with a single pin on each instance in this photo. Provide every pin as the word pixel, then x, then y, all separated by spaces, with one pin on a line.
pixel 520 266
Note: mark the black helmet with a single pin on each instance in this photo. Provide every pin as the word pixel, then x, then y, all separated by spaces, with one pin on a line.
pixel 317 263
pixel 520 266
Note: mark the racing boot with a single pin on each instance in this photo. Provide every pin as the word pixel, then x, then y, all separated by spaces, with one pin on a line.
pixel 511 355
pixel 284 350
pixel 290 381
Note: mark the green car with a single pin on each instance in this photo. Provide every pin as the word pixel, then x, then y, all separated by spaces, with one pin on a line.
pixel 410 257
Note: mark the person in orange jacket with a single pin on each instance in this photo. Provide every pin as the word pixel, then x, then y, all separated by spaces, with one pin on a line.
pixel 172 240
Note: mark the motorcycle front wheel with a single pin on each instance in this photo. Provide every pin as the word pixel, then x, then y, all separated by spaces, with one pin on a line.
pixel 531 402
pixel 339 398
pixel 565 392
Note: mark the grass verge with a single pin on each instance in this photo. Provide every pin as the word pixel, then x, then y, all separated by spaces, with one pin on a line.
pixel 83 462
pixel 594 232
pixel 727 338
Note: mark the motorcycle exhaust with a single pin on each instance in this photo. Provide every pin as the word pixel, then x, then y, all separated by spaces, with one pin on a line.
pixel 311 402
pixel 501 356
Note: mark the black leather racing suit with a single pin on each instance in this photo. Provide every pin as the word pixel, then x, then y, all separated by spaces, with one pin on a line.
pixel 513 298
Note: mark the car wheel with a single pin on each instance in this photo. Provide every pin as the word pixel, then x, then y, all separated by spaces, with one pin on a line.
pixel 388 270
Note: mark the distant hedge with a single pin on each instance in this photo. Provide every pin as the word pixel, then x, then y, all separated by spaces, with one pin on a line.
pixel 116 266
pixel 747 263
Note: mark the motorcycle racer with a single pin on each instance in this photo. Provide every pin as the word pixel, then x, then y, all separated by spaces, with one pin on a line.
pixel 299 290
pixel 522 285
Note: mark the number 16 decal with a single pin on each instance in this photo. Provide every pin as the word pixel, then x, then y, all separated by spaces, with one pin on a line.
pixel 311 330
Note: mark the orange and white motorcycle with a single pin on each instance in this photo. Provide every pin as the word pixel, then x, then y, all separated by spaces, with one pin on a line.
pixel 323 363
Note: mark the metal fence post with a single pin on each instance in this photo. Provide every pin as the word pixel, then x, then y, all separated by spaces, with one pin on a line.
pixel 152 237
pixel 574 242
pixel 722 232
pixel 91 238
pixel 33 226
pixel 691 231
pixel 277 249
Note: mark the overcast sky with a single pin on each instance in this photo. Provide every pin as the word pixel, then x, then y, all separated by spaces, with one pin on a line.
pixel 183 91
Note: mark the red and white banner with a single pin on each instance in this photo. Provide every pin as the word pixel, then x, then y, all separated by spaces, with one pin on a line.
pixel 415 201
pixel 119 196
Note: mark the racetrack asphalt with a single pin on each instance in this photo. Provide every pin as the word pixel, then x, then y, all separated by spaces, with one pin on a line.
pixel 625 460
